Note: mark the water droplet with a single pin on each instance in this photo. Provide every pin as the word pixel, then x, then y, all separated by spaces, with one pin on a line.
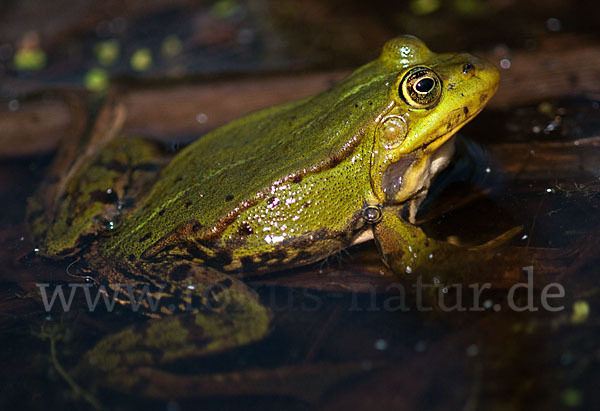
pixel 13 105
pixel 549 190
pixel 445 290
pixel 472 350
pixel 505 63
pixel 201 118
pixel 488 304
pixel 488 170
pixel 408 269
pixel 381 344
pixel 553 24
pixel 366 365
pixel 420 346
pixel 524 237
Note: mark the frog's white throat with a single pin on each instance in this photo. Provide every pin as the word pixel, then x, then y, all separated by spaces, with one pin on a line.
pixel 410 178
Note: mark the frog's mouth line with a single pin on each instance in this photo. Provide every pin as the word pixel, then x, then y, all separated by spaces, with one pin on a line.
pixel 454 126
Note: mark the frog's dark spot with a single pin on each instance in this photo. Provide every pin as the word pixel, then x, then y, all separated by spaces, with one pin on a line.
pixel 180 272
pixel 370 103
pixel 248 263
pixel 356 105
pixel 104 196
pixel 222 258
pixel 296 178
pixel 277 255
pixel 195 226
pixel 115 166
pixel 161 212
pixel 197 253
pixel 465 110
pixel 145 237
pixel 483 97
pixel 467 67
pixel 146 167
pixel 226 283
pixel 178 179
pixel 131 257
pixel 302 256
pixel 306 204
pixel 188 203
pixel 229 198
pixel 451 86
pixel 244 230
pixel 69 221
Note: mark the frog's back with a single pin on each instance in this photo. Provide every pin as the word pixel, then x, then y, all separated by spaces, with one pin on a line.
pixel 234 166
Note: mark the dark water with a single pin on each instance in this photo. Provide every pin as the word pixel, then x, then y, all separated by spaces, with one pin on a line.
pixel 339 339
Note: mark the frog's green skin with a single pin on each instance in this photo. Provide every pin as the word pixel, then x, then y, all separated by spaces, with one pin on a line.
pixel 287 185
pixel 282 187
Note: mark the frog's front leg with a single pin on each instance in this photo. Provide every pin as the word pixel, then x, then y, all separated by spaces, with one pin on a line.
pixel 407 250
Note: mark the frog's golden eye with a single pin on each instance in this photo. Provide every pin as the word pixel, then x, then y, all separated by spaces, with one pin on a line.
pixel 421 87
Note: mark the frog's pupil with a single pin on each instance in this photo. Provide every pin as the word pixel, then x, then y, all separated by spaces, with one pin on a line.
pixel 424 85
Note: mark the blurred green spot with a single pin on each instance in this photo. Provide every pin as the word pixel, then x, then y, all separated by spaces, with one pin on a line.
pixel 107 52
pixel 96 80
pixel 469 7
pixel 223 9
pixel 422 7
pixel 29 59
pixel 571 397
pixel 546 108
pixel 141 60
pixel 171 46
pixel 581 311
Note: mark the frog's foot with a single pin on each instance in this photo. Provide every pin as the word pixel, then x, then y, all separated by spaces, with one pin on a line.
pixel 218 313
pixel 407 250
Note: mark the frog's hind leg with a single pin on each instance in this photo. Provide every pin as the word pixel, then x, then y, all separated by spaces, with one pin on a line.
pixel 96 196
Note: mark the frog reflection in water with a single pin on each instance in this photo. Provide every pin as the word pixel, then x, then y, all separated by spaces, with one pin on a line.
pixel 283 187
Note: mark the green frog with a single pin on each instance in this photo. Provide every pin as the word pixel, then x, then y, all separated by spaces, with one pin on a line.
pixel 283 187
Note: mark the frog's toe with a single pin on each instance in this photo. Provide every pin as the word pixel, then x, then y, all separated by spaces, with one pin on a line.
pixel 499 241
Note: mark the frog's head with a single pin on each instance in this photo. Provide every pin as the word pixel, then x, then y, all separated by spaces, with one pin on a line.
pixel 430 98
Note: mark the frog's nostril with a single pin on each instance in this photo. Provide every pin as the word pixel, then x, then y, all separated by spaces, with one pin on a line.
pixel 467 67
